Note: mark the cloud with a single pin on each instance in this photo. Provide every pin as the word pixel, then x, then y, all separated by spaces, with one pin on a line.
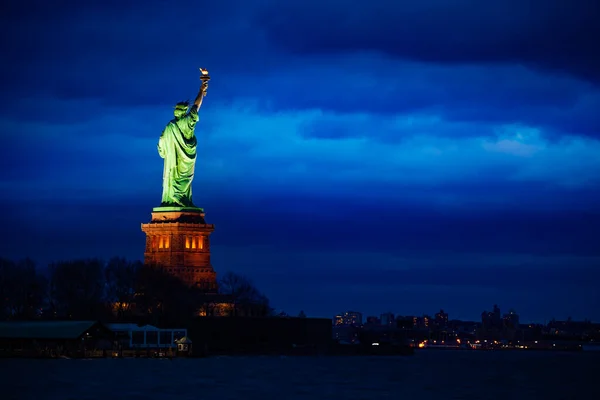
pixel 74 58
pixel 546 34
pixel 290 153
pixel 394 98
pixel 124 53
pixel 85 191
pixel 310 151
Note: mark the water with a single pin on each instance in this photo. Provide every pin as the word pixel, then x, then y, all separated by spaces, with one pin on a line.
pixel 429 374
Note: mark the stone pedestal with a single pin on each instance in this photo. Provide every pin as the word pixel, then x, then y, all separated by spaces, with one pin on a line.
pixel 178 240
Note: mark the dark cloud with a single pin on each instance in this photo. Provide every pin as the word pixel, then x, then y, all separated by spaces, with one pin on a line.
pixel 519 277
pixel 385 223
pixel 108 55
pixel 555 35
pixel 104 226
pixel 123 53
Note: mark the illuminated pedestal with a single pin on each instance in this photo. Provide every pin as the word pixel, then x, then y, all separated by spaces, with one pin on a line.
pixel 178 240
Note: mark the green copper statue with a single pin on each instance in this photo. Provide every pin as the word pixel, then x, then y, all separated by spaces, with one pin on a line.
pixel 177 145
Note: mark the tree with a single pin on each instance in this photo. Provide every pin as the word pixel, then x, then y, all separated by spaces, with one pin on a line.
pixel 120 277
pixel 77 289
pixel 162 295
pixel 22 289
pixel 244 296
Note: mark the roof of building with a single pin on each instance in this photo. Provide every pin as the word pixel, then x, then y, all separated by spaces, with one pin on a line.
pixel 184 340
pixel 122 327
pixel 44 329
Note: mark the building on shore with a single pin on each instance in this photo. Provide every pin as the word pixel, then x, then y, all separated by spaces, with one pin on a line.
pixel 133 336
pixel 54 338
pixel 348 318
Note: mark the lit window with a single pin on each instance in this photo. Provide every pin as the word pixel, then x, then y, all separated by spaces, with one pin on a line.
pixel 187 242
pixel 200 242
pixel 193 242
pixel 160 242
pixel 167 240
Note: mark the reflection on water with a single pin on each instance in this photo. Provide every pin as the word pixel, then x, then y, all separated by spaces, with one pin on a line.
pixel 429 374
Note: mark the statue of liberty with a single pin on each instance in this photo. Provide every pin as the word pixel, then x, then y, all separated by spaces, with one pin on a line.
pixel 177 145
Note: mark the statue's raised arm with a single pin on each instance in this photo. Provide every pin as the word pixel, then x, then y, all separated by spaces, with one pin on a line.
pixel 204 77
pixel 177 145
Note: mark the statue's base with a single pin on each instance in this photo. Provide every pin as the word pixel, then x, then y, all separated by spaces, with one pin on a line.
pixel 177 240
pixel 178 214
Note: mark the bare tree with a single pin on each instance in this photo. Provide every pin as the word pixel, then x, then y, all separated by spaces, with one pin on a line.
pixel 120 277
pixel 244 296
pixel 22 289
pixel 163 296
pixel 77 288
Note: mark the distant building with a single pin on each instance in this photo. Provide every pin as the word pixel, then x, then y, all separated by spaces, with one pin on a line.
pixel 422 322
pixel 387 319
pixel 571 328
pixel 372 320
pixel 345 334
pixel 441 319
pixel 407 322
pixel 492 319
pixel 511 320
pixel 349 318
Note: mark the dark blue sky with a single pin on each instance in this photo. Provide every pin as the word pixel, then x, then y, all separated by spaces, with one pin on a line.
pixel 380 155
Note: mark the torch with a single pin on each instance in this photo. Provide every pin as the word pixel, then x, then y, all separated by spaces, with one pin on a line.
pixel 204 77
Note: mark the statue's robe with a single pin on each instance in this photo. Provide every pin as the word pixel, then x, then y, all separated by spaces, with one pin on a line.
pixel 177 145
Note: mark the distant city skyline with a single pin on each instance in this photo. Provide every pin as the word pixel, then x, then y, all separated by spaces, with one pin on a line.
pixel 432 315
pixel 355 157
